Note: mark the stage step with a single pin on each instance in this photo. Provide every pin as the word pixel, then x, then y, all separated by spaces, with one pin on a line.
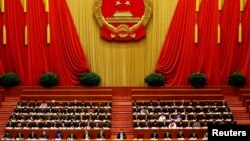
pixel 6 110
pixel 121 103
pixel 243 122
pixel 238 109
pixel 120 110
pixel 234 103
pixel 4 116
pixel 122 117
pixel 3 123
pixel 231 97
pixel 8 104
pixel 11 99
pixel 241 115
pixel 2 132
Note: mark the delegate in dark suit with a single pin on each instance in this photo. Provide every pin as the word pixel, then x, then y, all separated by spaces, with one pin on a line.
pixel 32 136
pixel 167 135
pixel 19 135
pixel 59 135
pixel 180 135
pixel 121 135
pixel 154 135
pixel 101 135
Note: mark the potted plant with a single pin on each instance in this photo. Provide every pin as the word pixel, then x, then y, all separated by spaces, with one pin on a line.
pixel 197 80
pixel 9 79
pixel 236 79
pixel 49 79
pixel 155 79
pixel 90 79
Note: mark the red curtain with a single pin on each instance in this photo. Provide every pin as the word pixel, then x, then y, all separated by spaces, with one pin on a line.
pixel 63 56
pixel 181 57
pixel 208 57
pixel 230 19
pixel 244 50
pixel 177 59
pixel 12 54
pixel 65 45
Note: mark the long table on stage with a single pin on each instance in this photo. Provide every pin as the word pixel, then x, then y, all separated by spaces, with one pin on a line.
pixel 78 132
pixel 115 140
pixel 144 133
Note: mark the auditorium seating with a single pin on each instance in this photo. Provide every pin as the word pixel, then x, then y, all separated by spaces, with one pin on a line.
pixel 147 116
pixel 66 116
pixel 189 104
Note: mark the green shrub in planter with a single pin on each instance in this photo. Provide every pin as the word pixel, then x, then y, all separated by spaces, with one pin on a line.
pixel 90 79
pixel 49 79
pixel 9 79
pixel 197 79
pixel 236 79
pixel 155 79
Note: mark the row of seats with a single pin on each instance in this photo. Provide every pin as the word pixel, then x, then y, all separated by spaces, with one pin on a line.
pixel 62 110
pixel 100 134
pixel 166 102
pixel 75 103
pixel 58 135
pixel 182 109
pixel 177 116
pixel 40 115
pixel 49 117
pixel 75 115
pixel 70 124
pixel 180 124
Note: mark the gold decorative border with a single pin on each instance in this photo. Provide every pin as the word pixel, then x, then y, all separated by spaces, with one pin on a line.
pixel 144 20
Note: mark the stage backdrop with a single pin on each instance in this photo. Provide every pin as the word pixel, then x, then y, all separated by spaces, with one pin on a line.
pixel 122 64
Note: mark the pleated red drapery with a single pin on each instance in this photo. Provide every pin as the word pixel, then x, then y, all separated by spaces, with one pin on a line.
pixel 67 42
pixel 181 57
pixel 229 20
pixel 177 56
pixel 63 56
pixel 208 55
pixel 244 50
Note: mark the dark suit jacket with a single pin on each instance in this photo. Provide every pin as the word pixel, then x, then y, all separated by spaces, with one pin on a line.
pixel 119 136
pixel 193 136
pixel 71 136
pixel 19 136
pixel 167 136
pixel 99 136
pixel 59 135
pixel 154 136
pixel 180 136
pixel 44 136
pixel 32 137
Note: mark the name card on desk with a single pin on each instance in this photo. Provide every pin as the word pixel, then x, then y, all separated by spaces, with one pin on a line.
pixel 155 127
